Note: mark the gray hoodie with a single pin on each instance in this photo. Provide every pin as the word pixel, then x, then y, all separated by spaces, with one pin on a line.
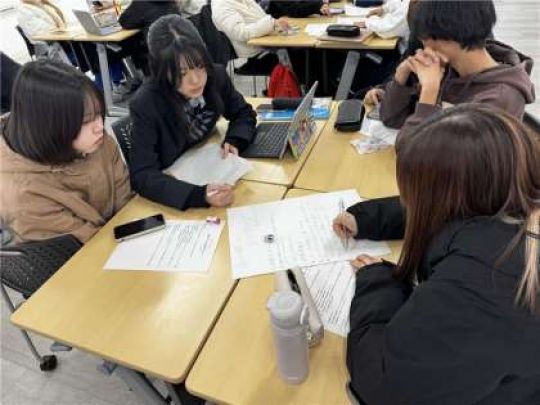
pixel 506 86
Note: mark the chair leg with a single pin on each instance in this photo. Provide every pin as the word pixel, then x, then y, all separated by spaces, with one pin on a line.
pixel 46 363
pixel 254 86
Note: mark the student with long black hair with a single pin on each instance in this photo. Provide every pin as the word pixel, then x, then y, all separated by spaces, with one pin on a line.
pixel 177 109
pixel 60 172
pixel 469 214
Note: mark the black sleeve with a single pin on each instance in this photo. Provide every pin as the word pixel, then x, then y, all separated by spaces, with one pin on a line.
pixel 379 219
pixel 134 17
pixel 295 9
pixel 433 346
pixel 242 119
pixel 145 168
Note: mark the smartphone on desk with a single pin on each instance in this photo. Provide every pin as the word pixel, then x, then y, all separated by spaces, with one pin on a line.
pixel 139 227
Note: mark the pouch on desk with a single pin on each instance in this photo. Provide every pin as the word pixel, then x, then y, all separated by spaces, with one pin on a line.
pixel 343 30
pixel 350 115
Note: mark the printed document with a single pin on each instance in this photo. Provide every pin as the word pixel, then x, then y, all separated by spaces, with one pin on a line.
pixel 332 288
pixel 183 246
pixel 354 11
pixel 205 165
pixel 316 30
pixel 295 232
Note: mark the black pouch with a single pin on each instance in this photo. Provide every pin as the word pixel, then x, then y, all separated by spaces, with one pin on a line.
pixel 341 30
pixel 350 115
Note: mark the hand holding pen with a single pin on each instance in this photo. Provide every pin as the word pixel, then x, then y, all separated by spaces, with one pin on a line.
pixel 345 226
pixel 219 195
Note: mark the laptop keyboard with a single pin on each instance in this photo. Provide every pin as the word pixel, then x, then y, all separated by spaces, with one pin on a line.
pixel 269 142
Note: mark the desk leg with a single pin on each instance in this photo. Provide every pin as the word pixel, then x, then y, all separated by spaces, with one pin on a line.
pixel 347 75
pixel 140 385
pixel 307 79
pixel 112 110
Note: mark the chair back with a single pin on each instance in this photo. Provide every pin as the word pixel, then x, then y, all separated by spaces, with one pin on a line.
pixel 123 129
pixel 29 46
pixel 26 266
pixel 218 44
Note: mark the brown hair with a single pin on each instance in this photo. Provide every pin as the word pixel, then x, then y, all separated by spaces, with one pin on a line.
pixel 469 161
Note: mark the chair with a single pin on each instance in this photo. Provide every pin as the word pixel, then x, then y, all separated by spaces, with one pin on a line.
pixel 29 46
pixel 27 266
pixel 123 129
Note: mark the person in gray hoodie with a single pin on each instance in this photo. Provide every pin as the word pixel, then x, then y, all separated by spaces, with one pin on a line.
pixel 457 65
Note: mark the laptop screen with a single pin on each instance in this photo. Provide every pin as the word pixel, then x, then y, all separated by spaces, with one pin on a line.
pixel 301 127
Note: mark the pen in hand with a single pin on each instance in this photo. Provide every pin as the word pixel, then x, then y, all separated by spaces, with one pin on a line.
pixel 345 241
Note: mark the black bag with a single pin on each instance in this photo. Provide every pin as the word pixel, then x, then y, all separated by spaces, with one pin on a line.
pixel 341 30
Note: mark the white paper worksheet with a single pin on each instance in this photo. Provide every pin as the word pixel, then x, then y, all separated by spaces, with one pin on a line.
pixel 183 246
pixel 354 11
pixel 295 232
pixel 332 287
pixel 316 30
pixel 205 165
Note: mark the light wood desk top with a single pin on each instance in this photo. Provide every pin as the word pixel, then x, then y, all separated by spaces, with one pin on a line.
pixel 275 171
pixel 334 164
pixel 77 33
pixel 153 322
pixel 238 366
pixel 303 40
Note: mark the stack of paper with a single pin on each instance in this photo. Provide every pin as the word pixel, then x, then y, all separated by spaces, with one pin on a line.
pixel 349 20
pixel 354 11
pixel 205 165
pixel 316 30
pixel 295 232
pixel 332 289
pixel 183 246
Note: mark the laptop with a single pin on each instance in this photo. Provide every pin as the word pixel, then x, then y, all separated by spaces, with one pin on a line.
pixel 272 138
pixel 98 24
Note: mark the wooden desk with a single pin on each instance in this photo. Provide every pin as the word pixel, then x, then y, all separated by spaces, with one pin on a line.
pixel 237 364
pixel 76 33
pixel 274 171
pixel 334 164
pixel 153 322
pixel 303 40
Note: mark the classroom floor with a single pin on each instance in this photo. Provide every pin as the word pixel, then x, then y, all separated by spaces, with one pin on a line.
pixel 76 380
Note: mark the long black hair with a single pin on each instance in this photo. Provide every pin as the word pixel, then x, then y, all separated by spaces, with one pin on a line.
pixel 50 103
pixel 173 40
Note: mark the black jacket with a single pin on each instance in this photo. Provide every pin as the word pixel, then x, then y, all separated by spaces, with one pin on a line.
pixel 159 138
pixel 294 8
pixel 455 339
pixel 141 14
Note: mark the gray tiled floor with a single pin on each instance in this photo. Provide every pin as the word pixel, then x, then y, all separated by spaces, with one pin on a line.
pixel 76 380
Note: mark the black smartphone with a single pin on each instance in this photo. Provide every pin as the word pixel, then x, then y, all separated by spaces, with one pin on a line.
pixel 139 227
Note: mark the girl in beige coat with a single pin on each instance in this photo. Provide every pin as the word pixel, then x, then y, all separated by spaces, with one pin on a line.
pixel 60 172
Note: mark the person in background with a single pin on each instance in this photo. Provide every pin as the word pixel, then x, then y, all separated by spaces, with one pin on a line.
pixel 390 20
pixel 177 109
pixel 457 320
pixel 242 20
pixel 43 16
pixel 457 65
pixel 295 8
pixel 140 14
pixel 60 173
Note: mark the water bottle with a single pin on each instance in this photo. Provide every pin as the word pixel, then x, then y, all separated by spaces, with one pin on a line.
pixel 289 316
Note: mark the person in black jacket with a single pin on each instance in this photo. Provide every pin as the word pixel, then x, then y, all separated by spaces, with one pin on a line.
pixel 295 8
pixel 469 332
pixel 178 109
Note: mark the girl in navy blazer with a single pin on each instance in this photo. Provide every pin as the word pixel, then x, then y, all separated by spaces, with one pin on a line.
pixel 178 109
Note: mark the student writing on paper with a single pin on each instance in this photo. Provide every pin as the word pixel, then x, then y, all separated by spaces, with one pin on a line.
pixel 468 333
pixel 60 172
pixel 457 65
pixel 177 109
